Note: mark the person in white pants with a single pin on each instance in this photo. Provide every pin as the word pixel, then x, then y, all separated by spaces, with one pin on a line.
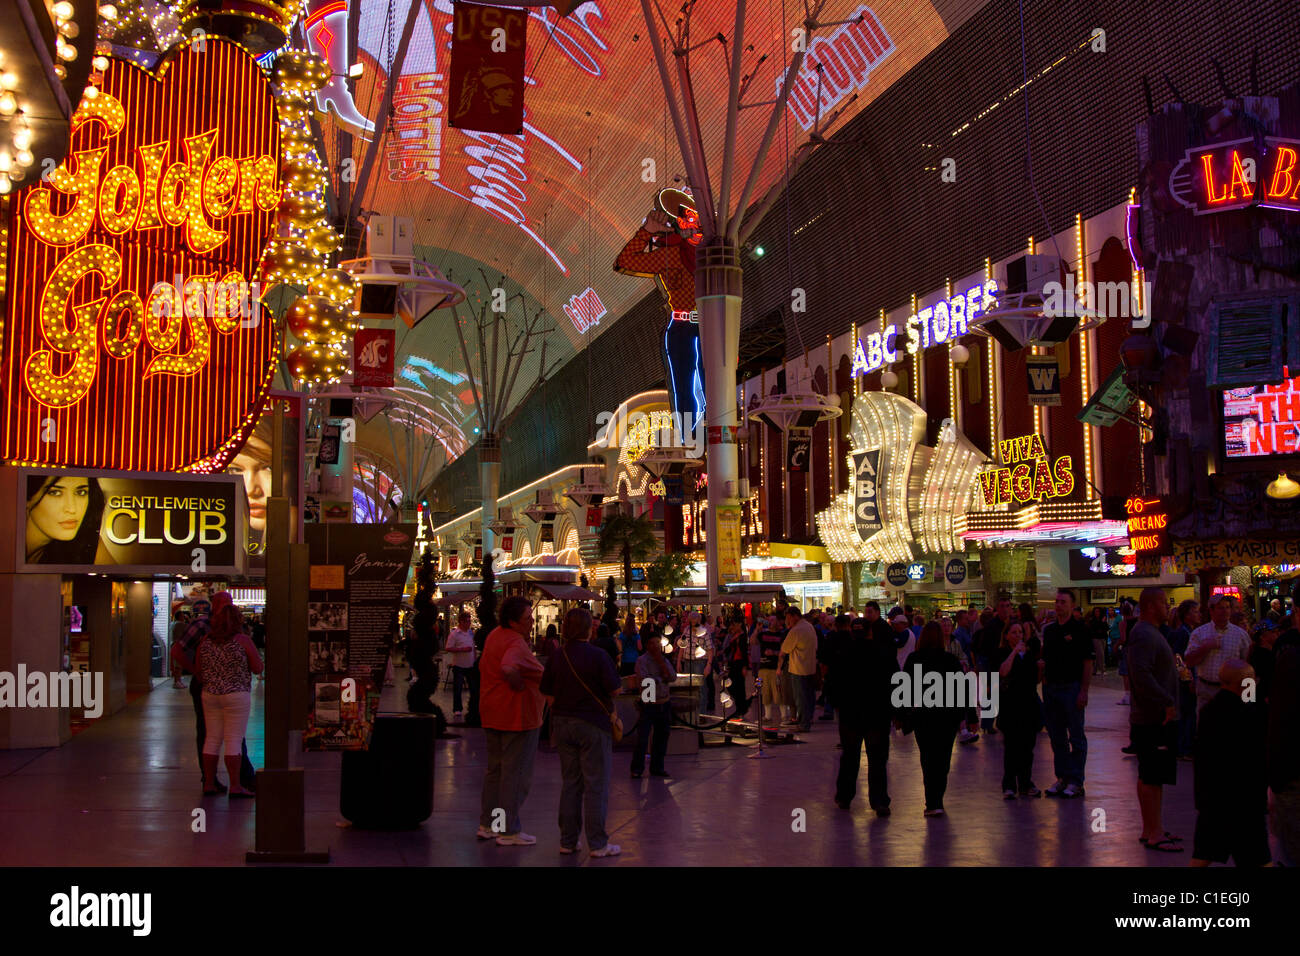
pixel 225 662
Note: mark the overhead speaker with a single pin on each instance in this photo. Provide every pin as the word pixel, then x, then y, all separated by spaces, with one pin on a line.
pixel 1058 329
pixel 376 301
pixel 1003 336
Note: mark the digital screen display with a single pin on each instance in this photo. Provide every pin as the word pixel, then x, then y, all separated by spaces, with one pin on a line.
pixel 1099 564
pixel 553 206
pixel 1262 420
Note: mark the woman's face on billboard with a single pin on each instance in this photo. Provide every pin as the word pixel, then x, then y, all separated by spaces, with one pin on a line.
pixel 60 510
pixel 257 485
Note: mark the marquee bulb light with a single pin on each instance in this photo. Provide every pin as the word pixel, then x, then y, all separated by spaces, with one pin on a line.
pixel 63 10
pixel 100 63
pixel 1284 487
pixel 108 11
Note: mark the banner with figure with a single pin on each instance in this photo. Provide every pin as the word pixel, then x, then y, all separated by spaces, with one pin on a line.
pixel 358 574
pixel 123 522
pixel 487 69
pixel 798 449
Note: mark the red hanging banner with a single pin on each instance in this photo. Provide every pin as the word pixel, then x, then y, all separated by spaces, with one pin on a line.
pixel 487 69
pixel 372 355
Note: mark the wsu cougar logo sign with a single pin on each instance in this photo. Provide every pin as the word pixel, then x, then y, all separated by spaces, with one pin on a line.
pixel 374 357
pixel 374 354
pixel 112 357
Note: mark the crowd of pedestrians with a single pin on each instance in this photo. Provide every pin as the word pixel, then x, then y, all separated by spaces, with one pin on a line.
pixel 1209 692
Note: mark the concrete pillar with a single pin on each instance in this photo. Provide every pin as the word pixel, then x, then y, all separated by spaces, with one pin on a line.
pixel 718 290
pixel 31 628
pixel 489 456
pixel 138 624
pixel 106 627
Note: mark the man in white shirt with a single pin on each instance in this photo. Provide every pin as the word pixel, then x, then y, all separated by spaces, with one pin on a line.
pixel 460 651
pixel 1211 644
pixel 696 649
pixel 904 636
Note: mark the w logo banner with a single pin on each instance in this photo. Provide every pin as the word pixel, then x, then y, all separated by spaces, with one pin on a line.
pixel 1044 379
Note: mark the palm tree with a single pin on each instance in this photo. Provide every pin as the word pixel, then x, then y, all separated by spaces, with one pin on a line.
pixel 631 536
pixel 610 617
pixel 669 571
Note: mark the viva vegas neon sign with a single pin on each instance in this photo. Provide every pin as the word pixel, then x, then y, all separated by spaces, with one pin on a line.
pixel 1028 474
pixel 945 321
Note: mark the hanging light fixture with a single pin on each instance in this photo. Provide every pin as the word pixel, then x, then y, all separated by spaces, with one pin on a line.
pixel 1283 487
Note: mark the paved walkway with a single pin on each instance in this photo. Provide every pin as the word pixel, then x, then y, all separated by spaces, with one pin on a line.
pixel 123 793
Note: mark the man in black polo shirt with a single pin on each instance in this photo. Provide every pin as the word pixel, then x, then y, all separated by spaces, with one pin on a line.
pixel 1067 659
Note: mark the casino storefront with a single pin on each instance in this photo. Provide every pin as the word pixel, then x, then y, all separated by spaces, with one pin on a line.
pixel 136 357
pixel 100 562
pixel 971 463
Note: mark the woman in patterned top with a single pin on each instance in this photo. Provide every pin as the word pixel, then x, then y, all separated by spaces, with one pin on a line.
pixel 226 662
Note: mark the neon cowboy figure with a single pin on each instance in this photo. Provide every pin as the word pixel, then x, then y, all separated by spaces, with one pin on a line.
pixel 664 247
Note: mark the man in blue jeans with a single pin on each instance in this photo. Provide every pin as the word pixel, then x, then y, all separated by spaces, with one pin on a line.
pixel 460 649
pixel 1067 660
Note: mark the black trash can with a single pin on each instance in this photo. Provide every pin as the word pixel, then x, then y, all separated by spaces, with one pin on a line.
pixel 390 786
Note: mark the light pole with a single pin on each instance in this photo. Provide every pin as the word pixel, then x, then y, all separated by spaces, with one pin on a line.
pixel 725 229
